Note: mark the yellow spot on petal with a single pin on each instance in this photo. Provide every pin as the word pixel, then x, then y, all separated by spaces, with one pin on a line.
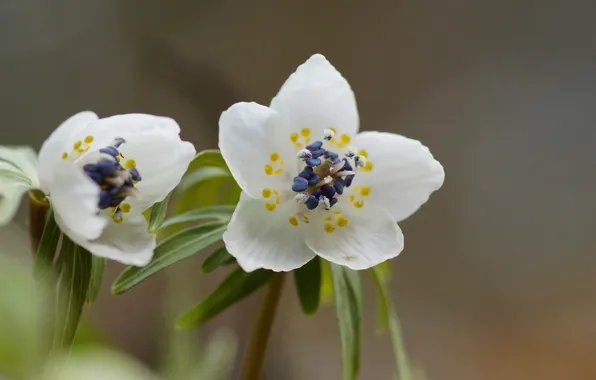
pixel 340 145
pixel 270 206
pixel 293 221
pixel 305 218
pixel 365 191
pixel 305 132
pixel 279 171
pixel 294 137
pixel 268 169
pixel 282 163
pixel 332 141
pixel 125 207
pixel 352 198
pixel 274 156
pixel 328 218
pixel 88 139
pixel 359 203
pixel 64 156
pixel 277 201
pixel 307 140
pixel 77 145
pixel 299 145
pixel 336 212
pixel 345 138
pixel 329 228
pixel 129 164
pixel 117 218
pixel 276 192
pixel 363 153
pixel 342 221
pixel 333 130
pixel 266 193
pixel 368 167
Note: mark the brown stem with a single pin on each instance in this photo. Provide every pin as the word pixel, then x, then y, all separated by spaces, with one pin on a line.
pixel 38 210
pixel 257 346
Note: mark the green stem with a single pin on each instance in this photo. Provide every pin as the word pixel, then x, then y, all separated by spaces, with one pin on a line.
pixel 38 210
pixel 257 346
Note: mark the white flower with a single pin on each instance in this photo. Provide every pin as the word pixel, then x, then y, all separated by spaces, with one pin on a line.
pixel 349 214
pixel 101 174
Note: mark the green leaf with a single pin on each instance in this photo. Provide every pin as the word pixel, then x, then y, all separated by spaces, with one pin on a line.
pixel 72 293
pixel 348 305
pixel 326 282
pixel 98 265
pixel 381 280
pixel 222 212
pixel 308 285
pixel 158 214
pixel 171 250
pixel 235 287
pixel 218 258
pixel 210 157
pixel 46 251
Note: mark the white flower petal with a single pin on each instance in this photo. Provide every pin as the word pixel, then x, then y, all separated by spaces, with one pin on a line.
pixel 10 200
pixel 61 141
pixel 257 148
pixel 74 198
pixel 259 238
pixel 18 174
pixel 127 126
pixel 366 237
pixel 161 159
pixel 128 242
pixel 317 97
pixel 402 175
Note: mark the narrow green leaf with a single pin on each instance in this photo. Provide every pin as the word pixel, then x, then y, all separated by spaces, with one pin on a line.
pixel 381 280
pixel 308 285
pixel 210 157
pixel 222 212
pixel 348 305
pixel 46 252
pixel 326 282
pixel 201 175
pixel 158 214
pixel 218 258
pixel 98 265
pixel 171 250
pixel 235 287
pixel 76 274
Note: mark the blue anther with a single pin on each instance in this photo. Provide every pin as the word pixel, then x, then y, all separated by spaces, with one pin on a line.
pixel 349 180
pixel 347 166
pixel 116 201
pixel 339 184
pixel 105 198
pixel 318 153
pixel 95 177
pixel 314 146
pixel 328 191
pixel 313 179
pixel 306 172
pixel 317 193
pixel 332 201
pixel 112 151
pixel 134 174
pixel 106 167
pixel 312 202
pixel 313 162
pixel 300 184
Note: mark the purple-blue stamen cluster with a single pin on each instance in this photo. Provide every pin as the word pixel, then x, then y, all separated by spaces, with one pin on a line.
pixel 116 182
pixel 314 156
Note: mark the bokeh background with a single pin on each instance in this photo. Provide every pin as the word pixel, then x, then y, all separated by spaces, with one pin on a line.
pixel 497 280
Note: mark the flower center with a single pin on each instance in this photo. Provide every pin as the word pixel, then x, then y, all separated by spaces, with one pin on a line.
pixel 325 174
pixel 116 181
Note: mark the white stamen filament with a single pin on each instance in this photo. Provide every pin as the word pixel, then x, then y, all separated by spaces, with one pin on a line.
pixel 325 202
pixel 327 180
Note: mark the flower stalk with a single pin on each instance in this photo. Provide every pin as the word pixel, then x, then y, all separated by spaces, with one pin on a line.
pixel 38 210
pixel 254 357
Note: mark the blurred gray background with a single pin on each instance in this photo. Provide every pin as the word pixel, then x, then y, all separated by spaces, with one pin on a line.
pixel 497 280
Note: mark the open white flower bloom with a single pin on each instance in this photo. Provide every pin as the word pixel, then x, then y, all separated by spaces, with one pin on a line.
pixel 101 174
pixel 312 185
pixel 18 174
